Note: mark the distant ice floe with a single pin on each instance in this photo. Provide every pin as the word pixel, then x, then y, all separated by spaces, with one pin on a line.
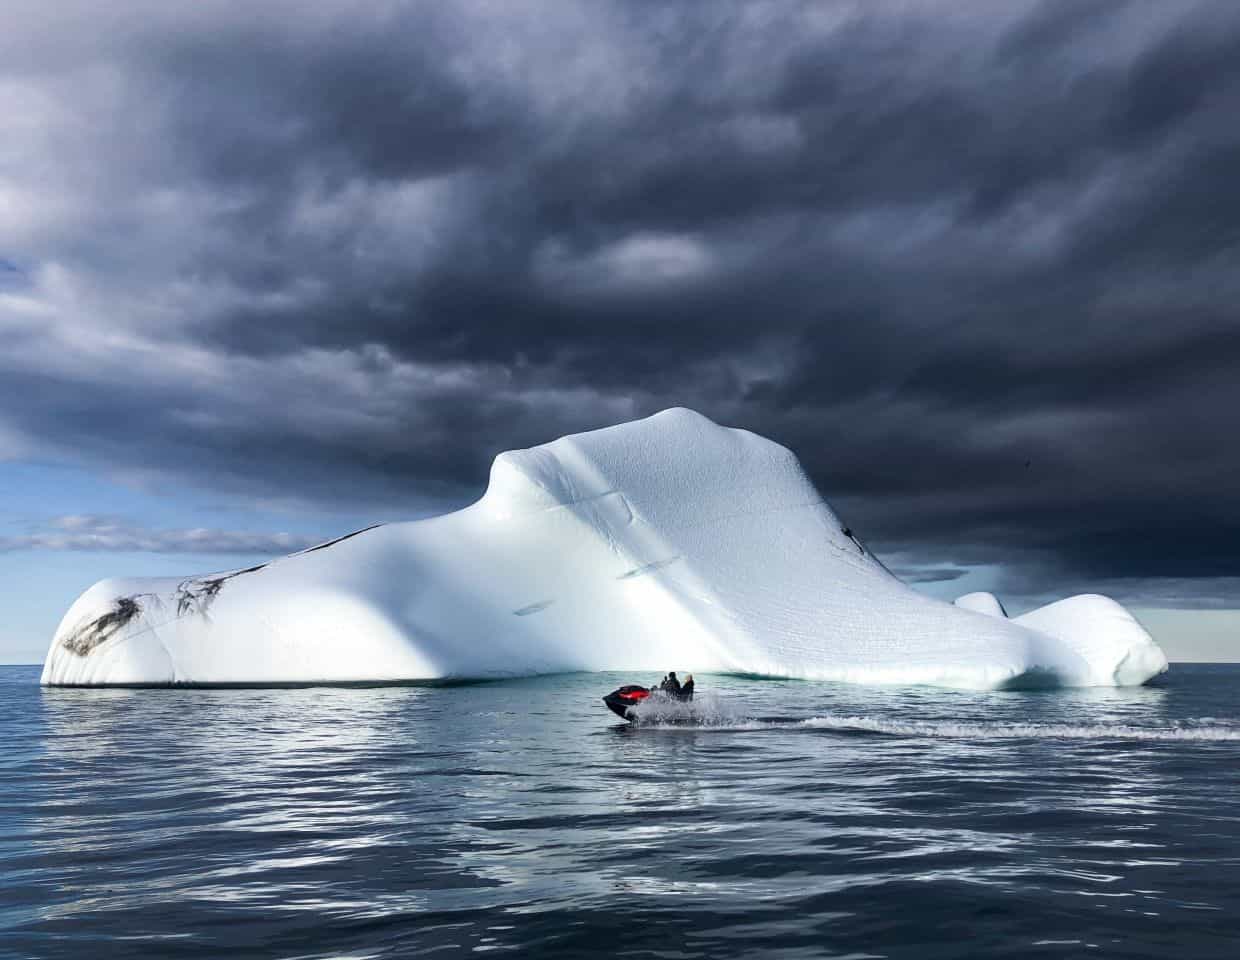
pixel 665 542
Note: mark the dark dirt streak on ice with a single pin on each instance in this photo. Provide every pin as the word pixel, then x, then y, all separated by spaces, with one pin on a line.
pixel 196 593
pixel 332 543
pixel 533 608
pixel 97 631
pixel 648 568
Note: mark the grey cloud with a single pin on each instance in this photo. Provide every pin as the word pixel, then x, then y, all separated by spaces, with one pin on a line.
pixel 929 574
pixel 95 533
pixel 975 265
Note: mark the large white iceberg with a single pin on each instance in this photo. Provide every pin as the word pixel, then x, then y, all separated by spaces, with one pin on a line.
pixel 669 542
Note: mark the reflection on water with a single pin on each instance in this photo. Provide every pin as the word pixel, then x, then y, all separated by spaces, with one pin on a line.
pixel 800 819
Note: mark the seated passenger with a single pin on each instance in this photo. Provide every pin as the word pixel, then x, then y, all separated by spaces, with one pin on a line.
pixel 686 689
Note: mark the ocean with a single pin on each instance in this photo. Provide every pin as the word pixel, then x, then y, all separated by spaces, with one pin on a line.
pixel 520 817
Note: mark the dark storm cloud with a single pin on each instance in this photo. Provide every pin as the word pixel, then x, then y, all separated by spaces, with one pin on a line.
pixel 975 263
pixel 929 574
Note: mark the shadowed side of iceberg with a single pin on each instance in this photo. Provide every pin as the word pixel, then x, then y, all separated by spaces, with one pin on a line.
pixel 664 540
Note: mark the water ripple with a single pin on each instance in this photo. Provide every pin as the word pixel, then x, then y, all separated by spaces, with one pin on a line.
pixel 798 820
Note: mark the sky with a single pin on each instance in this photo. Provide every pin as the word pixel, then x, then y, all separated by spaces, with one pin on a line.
pixel 269 273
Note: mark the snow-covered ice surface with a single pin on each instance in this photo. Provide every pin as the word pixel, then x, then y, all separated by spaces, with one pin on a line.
pixel 669 541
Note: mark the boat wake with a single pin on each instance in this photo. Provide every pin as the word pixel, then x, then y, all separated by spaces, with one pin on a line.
pixel 705 710
pixel 713 712
pixel 958 730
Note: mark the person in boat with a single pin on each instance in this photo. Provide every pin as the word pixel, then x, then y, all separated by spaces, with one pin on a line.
pixel 686 688
pixel 672 687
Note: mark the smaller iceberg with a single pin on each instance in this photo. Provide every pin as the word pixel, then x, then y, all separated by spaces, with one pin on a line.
pixel 665 541
pixel 982 602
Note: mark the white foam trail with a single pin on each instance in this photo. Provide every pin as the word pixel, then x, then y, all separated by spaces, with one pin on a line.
pixel 942 730
pixel 713 711
pixel 956 729
pixel 705 709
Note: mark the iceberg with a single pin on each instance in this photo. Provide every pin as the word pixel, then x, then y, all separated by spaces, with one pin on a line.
pixel 668 542
pixel 982 602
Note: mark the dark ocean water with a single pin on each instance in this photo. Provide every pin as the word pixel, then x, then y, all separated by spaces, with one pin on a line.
pixel 803 820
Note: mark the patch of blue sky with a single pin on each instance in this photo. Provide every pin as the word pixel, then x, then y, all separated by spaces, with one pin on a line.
pixel 35 494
